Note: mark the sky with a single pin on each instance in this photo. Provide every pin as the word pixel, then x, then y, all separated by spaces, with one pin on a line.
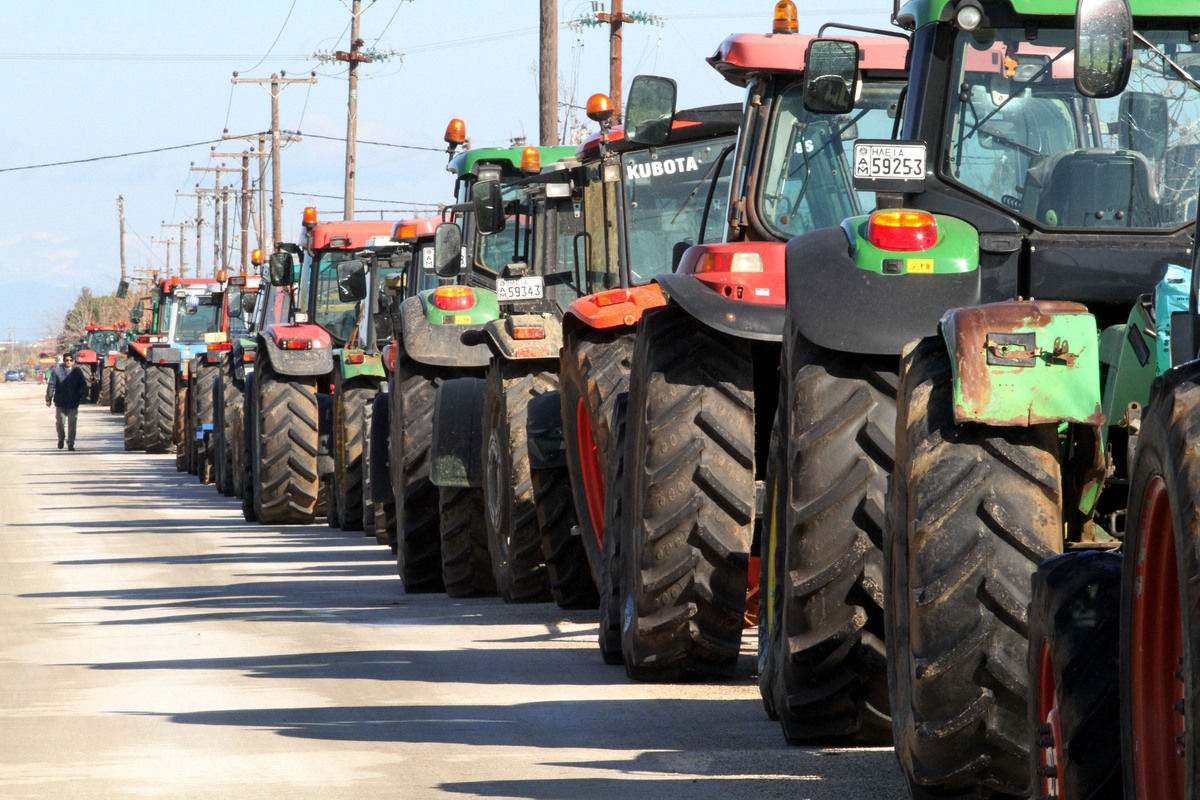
pixel 83 80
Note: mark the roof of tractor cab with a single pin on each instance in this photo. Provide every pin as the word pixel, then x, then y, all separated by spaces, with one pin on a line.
pixel 164 283
pixel 916 13
pixel 743 54
pixel 356 233
pixel 689 125
pixel 508 158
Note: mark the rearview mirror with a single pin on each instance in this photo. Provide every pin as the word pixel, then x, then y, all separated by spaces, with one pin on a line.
pixel 248 301
pixel 1103 47
pixel 487 201
pixel 123 289
pixel 135 313
pixel 352 281
pixel 281 269
pixel 650 110
pixel 830 76
pixel 447 250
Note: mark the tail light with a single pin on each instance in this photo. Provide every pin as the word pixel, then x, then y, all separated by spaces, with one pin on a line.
pixel 389 357
pixel 903 230
pixel 247 355
pixel 613 297
pixel 220 346
pixel 453 298
pixel 295 344
pixel 528 332
pixel 730 262
pixel 354 358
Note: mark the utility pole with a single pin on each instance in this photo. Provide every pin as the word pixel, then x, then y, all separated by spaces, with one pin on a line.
pixel 548 74
pixel 168 243
pixel 121 221
pixel 615 20
pixel 182 226
pixel 199 195
pixel 278 83
pixel 245 156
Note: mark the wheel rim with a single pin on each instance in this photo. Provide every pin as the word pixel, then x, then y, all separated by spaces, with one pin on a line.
pixel 492 483
pixel 589 468
pixel 1050 758
pixel 1156 652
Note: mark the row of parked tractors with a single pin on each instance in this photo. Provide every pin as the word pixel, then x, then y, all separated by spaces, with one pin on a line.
pixel 895 360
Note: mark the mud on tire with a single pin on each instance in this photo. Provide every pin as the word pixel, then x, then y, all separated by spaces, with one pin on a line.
pixel 975 509
pixel 690 499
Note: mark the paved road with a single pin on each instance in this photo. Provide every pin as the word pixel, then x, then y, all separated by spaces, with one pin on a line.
pixel 154 645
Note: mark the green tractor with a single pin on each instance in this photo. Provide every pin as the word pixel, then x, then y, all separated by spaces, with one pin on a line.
pixel 441 541
pixel 1042 187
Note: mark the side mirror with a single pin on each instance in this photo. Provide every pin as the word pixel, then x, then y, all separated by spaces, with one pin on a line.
pixel 248 301
pixel 1142 123
pixel 650 110
pixel 830 76
pixel 135 313
pixel 1103 47
pixel 488 203
pixel 352 281
pixel 281 269
pixel 447 250
pixel 123 289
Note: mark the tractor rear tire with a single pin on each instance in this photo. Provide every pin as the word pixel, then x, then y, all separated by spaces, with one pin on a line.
pixel 383 499
pixel 204 397
pixel 514 540
pixel 349 430
pixel 593 370
pixel 284 466
pixel 690 499
pixel 418 537
pixel 1073 703
pixel 466 562
pixel 772 558
pixel 119 381
pixel 229 402
pixel 838 417
pixel 105 381
pixel 609 633
pixel 178 439
pixel 368 452
pixel 135 402
pixel 1160 597
pixel 571 584
pixel 975 509
pixel 243 479
pixel 158 415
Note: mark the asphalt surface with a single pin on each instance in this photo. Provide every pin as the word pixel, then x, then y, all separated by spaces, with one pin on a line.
pixel 154 645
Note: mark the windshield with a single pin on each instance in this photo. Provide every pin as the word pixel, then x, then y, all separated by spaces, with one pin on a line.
pixel 329 311
pixel 806 176
pixel 1019 134
pixel 102 341
pixel 666 189
pixel 192 317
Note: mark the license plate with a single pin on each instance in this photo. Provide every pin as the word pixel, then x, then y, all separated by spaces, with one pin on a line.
pixel 889 161
pixel 519 288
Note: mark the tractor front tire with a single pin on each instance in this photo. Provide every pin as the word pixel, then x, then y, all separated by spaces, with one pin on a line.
pixel 418 535
pixel 135 402
pixel 158 426
pixel 285 476
pixel 466 562
pixel 974 510
pixel 350 428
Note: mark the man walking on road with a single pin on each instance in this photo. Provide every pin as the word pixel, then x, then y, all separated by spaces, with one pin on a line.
pixel 66 389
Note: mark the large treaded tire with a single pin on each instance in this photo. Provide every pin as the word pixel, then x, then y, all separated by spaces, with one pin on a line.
pixel 689 497
pixel 105 382
pixel 512 527
pixel 975 509
pixel 571 584
pixel 593 371
pixel 609 630
pixel 286 480
pixel 1074 709
pixel 772 558
pixel 120 381
pixel 382 499
pixel 368 453
pixel 203 413
pixel 158 411
pixel 243 455
pixel 1160 597
pixel 350 418
pixel 134 405
pixel 178 440
pixel 231 399
pixel 466 561
pixel 838 412
pixel 418 534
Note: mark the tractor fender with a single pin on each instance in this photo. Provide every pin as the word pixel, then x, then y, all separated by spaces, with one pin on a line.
pixel 298 363
pixel 457 448
pixel 86 357
pixel 838 305
pixel 746 320
pixel 161 354
pixel 439 345
pixel 544 432
pixel 371 365
pixel 613 308
pixel 1024 362
pixel 500 333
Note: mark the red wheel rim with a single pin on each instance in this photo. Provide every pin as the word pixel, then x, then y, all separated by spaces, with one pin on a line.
pixel 1156 652
pixel 589 467
pixel 1051 755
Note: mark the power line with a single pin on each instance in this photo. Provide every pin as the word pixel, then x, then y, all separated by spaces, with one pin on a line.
pixel 272 47
pixel 380 144
pixel 104 158
pixel 367 199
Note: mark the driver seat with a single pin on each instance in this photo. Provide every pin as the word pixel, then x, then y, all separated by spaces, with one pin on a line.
pixel 1098 188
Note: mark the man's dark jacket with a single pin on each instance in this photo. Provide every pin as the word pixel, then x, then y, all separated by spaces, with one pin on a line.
pixel 66 388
